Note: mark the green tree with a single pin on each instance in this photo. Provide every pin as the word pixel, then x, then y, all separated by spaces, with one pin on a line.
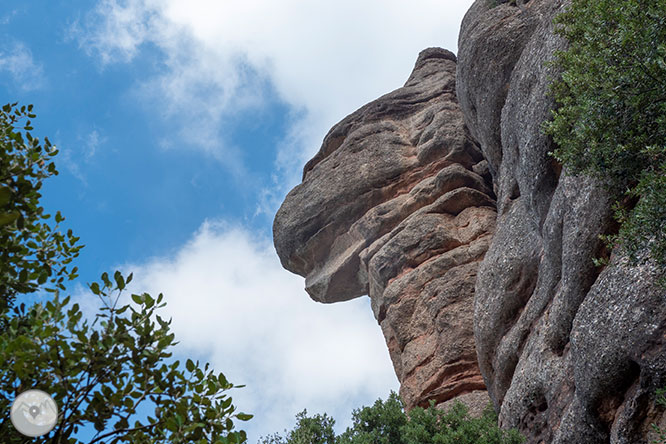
pixel 317 429
pixel 34 253
pixel 113 373
pixel 385 422
pixel 611 117
pixel 101 373
pixel 379 424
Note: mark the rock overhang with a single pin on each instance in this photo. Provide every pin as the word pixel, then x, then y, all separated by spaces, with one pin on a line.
pixel 397 204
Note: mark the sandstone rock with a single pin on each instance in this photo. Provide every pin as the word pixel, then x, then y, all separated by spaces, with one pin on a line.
pixel 395 206
pixel 570 353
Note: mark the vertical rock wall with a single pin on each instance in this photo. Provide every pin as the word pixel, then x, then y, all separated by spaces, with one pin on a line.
pixel 570 353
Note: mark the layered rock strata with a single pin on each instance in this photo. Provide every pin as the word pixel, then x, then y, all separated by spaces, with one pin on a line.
pixel 571 353
pixel 397 205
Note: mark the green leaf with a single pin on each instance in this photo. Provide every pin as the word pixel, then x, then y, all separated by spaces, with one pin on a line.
pixel 189 365
pixel 120 282
pixel 5 195
pixel 8 218
pixel 244 416
pixel 223 380
pixel 105 279
pixel 43 276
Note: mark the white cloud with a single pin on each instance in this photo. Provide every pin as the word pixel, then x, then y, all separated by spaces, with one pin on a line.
pixel 233 304
pixel 92 142
pixel 220 58
pixel 75 157
pixel 211 64
pixel 21 66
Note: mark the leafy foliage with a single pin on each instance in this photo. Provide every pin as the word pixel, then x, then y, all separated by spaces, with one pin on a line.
pixel 113 371
pixel 101 372
pixel 611 120
pixel 433 426
pixel 387 423
pixel 33 252
pixel 317 429
pixel 380 424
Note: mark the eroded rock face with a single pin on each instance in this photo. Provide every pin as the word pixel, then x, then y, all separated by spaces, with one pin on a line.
pixel 570 353
pixel 400 204
pixel 397 205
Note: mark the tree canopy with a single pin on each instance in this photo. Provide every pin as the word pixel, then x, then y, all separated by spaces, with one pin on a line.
pixel 111 373
pixel 386 422
pixel 34 253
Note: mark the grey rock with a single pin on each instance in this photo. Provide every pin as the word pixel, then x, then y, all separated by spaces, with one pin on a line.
pixel 544 313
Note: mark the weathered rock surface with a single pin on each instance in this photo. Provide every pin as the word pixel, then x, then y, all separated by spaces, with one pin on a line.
pixel 570 353
pixel 397 205
pixel 440 201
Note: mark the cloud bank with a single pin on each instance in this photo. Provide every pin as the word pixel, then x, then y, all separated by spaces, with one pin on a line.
pixel 233 305
pixel 217 59
pixel 17 60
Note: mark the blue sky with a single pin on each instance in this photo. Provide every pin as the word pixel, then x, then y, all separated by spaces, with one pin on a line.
pixel 181 127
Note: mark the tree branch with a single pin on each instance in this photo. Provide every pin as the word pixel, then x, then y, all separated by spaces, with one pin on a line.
pixel 133 429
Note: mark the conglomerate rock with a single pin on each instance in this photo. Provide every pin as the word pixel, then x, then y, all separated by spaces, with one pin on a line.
pixel 397 205
pixel 570 353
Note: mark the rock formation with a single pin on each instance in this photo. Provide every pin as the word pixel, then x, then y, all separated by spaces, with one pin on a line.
pixel 571 353
pixel 397 205
pixel 440 202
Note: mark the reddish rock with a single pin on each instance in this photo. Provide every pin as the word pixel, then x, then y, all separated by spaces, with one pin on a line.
pixel 395 206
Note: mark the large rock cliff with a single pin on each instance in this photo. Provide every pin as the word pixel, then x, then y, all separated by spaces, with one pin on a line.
pixel 571 353
pixel 440 202
pixel 398 205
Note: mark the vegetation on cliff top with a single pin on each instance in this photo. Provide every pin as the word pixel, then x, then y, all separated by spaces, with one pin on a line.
pixel 611 116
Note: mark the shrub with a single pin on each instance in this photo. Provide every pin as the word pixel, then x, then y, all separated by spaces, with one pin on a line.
pixel 611 116
pixel 386 422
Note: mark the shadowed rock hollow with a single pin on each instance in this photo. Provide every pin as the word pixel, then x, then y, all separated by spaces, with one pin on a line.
pixel 397 205
pixel 440 202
